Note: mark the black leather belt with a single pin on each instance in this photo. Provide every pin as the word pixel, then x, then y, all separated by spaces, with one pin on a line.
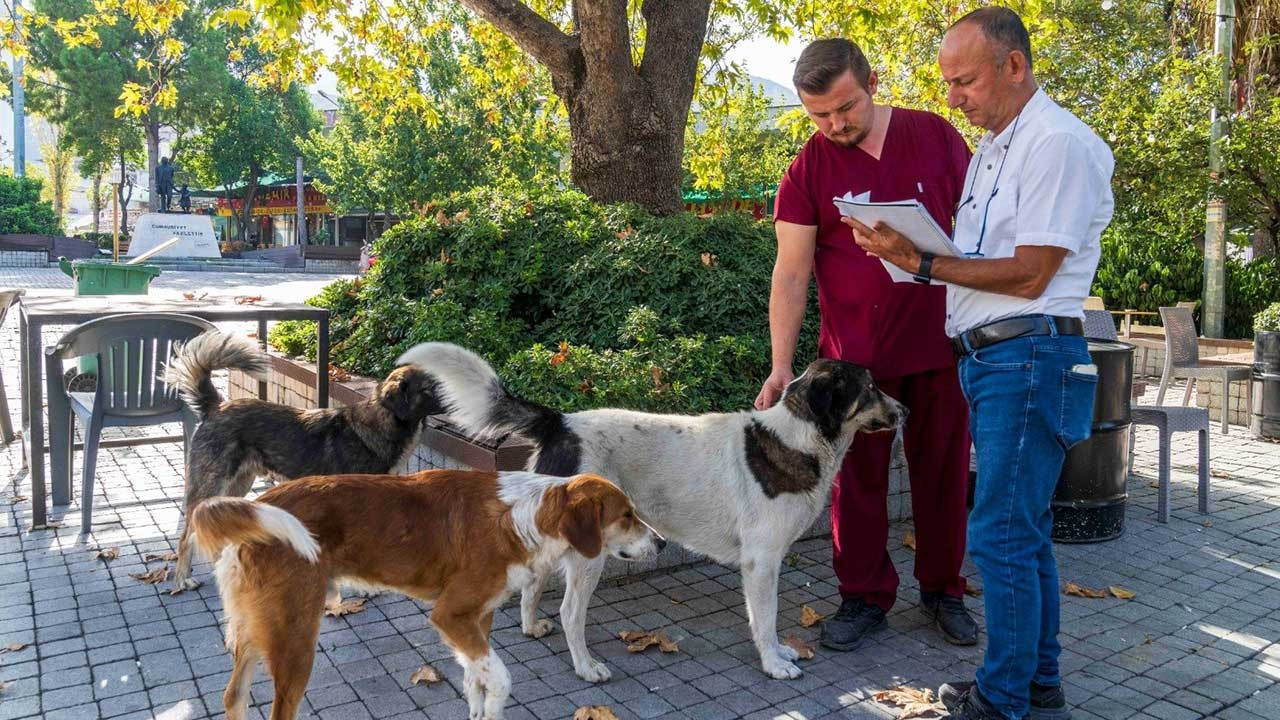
pixel 1014 327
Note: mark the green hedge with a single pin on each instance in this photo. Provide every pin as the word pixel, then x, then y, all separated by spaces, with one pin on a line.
pixel 22 210
pixel 1146 270
pixel 577 305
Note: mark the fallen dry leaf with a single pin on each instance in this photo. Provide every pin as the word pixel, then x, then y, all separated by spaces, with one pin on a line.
pixel 796 643
pixel 188 296
pixel 1084 592
pixel 337 374
pixel 710 260
pixel 909 541
pixel 638 641
pixel 425 674
pixel 809 617
pixel 1153 484
pixel 155 577
pixel 346 607
pixel 972 590
pixel 594 712
pixel 562 354
pixel 13 647
pixel 655 372
pixel 915 702
pixel 3 686
pixel 248 299
pixel 1218 473
pixel 166 557
pixel 17 499
pixel 107 554
pixel 251 334
pixel 1121 593
pixel 47 526
pixel 1207 523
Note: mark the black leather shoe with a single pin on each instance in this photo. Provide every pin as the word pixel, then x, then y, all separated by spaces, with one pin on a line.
pixel 963 700
pixel 1048 702
pixel 951 617
pixel 854 621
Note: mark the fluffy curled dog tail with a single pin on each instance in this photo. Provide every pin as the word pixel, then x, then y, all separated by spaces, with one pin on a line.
pixel 189 370
pixel 477 401
pixel 222 521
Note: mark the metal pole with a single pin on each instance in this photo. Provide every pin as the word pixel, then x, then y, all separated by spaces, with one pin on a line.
pixel 1215 225
pixel 19 114
pixel 115 222
pixel 302 213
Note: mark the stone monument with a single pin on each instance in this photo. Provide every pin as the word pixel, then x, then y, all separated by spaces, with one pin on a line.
pixel 196 238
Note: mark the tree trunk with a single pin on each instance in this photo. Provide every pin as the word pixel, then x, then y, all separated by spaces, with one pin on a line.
pixel 246 209
pixel 96 203
pixel 626 122
pixel 1264 240
pixel 152 130
pixel 123 200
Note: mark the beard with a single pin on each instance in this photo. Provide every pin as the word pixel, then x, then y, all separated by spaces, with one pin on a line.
pixel 851 138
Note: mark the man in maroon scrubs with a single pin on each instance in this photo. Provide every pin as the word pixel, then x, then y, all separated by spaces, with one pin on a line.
pixel 894 329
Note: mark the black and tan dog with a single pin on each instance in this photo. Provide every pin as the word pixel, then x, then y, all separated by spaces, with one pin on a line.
pixel 242 439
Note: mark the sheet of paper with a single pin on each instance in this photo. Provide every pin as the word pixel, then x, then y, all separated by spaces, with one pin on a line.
pixel 908 217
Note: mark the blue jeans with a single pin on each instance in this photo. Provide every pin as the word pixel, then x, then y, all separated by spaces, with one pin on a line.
pixel 1030 399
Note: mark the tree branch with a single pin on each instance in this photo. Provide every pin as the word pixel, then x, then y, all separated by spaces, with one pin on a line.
pixel 675 33
pixel 604 35
pixel 533 33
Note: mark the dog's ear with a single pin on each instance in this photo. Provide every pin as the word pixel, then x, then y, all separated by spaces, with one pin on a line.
pixel 580 523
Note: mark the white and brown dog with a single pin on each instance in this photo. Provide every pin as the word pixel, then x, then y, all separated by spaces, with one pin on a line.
pixel 736 487
pixel 465 540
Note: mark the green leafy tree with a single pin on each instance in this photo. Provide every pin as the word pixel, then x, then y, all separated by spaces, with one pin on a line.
pixel 733 144
pixel 125 68
pixel 247 132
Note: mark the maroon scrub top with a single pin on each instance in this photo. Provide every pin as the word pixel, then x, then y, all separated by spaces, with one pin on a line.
pixel 893 329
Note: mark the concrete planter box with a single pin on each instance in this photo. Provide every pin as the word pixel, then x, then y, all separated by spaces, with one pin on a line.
pixel 292 383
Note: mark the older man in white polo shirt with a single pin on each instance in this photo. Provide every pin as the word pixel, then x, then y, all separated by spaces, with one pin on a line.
pixel 1038 197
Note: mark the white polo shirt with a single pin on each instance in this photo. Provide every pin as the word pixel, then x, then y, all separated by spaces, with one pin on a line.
pixel 1054 189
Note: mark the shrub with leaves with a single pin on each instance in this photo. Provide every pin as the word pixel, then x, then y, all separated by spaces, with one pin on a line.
pixel 22 210
pixel 576 305
pixel 1268 320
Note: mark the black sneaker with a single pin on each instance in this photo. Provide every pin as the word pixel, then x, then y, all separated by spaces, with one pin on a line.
pixel 1048 702
pixel 852 622
pixel 951 617
pixel 963 700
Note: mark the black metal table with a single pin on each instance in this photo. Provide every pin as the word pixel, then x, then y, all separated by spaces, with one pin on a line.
pixel 41 311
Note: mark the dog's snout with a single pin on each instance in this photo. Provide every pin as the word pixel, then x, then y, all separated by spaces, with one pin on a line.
pixel 659 543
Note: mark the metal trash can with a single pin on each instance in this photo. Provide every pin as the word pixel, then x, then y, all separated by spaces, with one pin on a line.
pixel 1088 504
pixel 1264 419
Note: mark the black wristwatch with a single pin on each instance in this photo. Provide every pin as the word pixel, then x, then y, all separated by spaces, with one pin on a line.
pixel 925 274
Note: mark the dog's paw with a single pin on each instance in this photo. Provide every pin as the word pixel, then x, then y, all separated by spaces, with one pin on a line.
pixel 539 628
pixel 594 672
pixel 780 669
pixel 181 586
pixel 788 653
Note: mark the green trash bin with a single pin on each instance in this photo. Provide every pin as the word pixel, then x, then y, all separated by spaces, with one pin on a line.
pixel 97 277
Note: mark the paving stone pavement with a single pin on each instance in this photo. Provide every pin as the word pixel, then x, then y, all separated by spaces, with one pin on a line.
pixel 1200 639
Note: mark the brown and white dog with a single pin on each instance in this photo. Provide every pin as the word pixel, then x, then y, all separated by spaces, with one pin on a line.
pixel 465 540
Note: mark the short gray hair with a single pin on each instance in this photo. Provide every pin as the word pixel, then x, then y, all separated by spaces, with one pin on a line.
pixel 1003 28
